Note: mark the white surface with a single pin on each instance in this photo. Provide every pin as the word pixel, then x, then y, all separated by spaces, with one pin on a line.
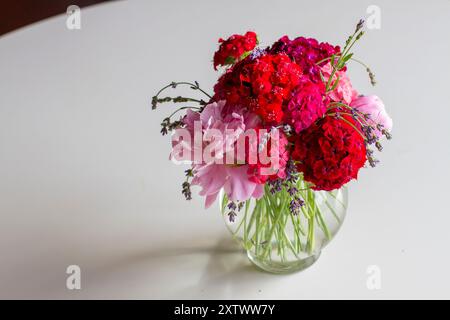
pixel 85 177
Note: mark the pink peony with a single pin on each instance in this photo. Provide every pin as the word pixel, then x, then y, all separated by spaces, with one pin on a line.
pixel 233 179
pixel 344 90
pixel 212 173
pixel 374 107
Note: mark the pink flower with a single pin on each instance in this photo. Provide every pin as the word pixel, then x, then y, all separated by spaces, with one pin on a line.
pixel 263 170
pixel 344 90
pixel 374 107
pixel 217 128
pixel 306 106
pixel 233 179
pixel 212 173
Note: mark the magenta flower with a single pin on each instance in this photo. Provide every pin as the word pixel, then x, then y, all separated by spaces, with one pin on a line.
pixel 306 105
pixel 306 52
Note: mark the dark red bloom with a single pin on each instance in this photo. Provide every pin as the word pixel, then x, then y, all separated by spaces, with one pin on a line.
pixel 306 105
pixel 263 84
pixel 306 52
pixel 330 153
pixel 233 49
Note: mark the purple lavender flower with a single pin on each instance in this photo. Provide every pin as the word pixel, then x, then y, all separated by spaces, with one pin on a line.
pixel 231 206
pixel 275 186
pixel 295 205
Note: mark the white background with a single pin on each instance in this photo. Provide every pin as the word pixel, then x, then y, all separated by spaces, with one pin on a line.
pixel 85 177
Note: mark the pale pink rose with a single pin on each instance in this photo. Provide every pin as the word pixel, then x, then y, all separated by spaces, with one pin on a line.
pixel 374 107
pixel 344 90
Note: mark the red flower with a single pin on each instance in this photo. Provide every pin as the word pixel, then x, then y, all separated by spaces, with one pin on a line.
pixel 234 48
pixel 306 106
pixel 263 84
pixel 330 153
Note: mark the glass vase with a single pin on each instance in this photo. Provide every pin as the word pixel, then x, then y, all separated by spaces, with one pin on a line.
pixel 279 241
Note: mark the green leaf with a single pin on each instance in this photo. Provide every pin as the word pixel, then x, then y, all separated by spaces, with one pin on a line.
pixel 347 57
pixel 335 84
pixel 230 60
pixel 245 55
pixel 321 76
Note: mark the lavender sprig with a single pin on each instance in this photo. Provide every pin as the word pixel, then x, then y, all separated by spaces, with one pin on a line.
pixel 186 185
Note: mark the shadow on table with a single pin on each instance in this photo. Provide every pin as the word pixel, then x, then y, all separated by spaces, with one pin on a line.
pixel 193 271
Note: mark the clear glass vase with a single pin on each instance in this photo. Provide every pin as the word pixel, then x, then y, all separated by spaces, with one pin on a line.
pixel 278 241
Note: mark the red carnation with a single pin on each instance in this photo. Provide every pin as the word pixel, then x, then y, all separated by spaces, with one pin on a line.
pixel 263 84
pixel 330 153
pixel 234 48
pixel 306 106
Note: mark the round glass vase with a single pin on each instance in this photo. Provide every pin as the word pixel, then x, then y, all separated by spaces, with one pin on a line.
pixel 278 241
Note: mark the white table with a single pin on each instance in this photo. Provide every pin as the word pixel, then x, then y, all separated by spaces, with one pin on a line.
pixel 85 177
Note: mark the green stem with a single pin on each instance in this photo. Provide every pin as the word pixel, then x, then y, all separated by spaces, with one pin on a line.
pixel 331 208
pixel 323 225
pixel 335 197
pixel 175 84
pixel 311 237
pixel 179 109
pixel 360 62
pixel 271 233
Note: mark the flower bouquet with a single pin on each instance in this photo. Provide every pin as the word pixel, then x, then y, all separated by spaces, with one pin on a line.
pixel 276 142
